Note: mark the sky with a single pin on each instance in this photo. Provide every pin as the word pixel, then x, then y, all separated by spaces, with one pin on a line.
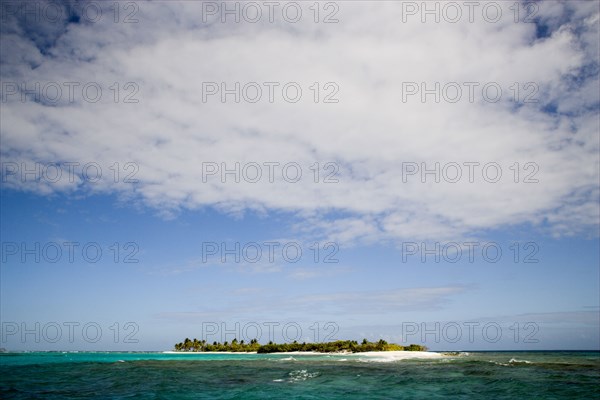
pixel 418 172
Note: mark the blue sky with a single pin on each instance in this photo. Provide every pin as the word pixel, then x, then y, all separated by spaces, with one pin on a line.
pixel 165 222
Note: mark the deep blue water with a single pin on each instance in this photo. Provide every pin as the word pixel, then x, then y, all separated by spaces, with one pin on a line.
pixel 485 375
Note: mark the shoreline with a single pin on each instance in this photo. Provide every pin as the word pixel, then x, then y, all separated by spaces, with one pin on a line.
pixel 208 352
pixel 392 355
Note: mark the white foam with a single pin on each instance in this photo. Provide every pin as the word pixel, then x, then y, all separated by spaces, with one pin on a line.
pixel 301 375
pixel 515 361
pixel 390 356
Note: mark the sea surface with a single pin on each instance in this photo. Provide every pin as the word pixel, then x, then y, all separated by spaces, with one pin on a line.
pixel 485 375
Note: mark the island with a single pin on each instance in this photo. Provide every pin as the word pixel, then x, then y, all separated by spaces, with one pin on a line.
pixel 338 346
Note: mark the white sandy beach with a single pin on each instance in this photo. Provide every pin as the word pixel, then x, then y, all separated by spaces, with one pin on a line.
pixel 375 355
pixel 209 352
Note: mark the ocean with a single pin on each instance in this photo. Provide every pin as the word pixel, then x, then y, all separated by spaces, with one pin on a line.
pixel 485 375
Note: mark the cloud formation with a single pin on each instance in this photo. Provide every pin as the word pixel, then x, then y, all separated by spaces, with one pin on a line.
pixel 379 136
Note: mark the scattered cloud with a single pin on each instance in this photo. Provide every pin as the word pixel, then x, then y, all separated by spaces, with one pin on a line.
pixel 371 135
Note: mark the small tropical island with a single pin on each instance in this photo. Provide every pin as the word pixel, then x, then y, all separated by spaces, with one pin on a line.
pixel 338 346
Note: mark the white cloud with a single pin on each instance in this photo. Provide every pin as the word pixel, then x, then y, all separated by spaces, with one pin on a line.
pixel 370 133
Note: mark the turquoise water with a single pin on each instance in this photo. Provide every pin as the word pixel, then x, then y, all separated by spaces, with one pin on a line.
pixel 498 375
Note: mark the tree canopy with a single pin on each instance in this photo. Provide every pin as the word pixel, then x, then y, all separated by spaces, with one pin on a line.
pixel 337 346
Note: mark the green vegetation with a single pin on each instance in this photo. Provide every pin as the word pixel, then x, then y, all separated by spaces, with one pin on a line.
pixel 350 346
